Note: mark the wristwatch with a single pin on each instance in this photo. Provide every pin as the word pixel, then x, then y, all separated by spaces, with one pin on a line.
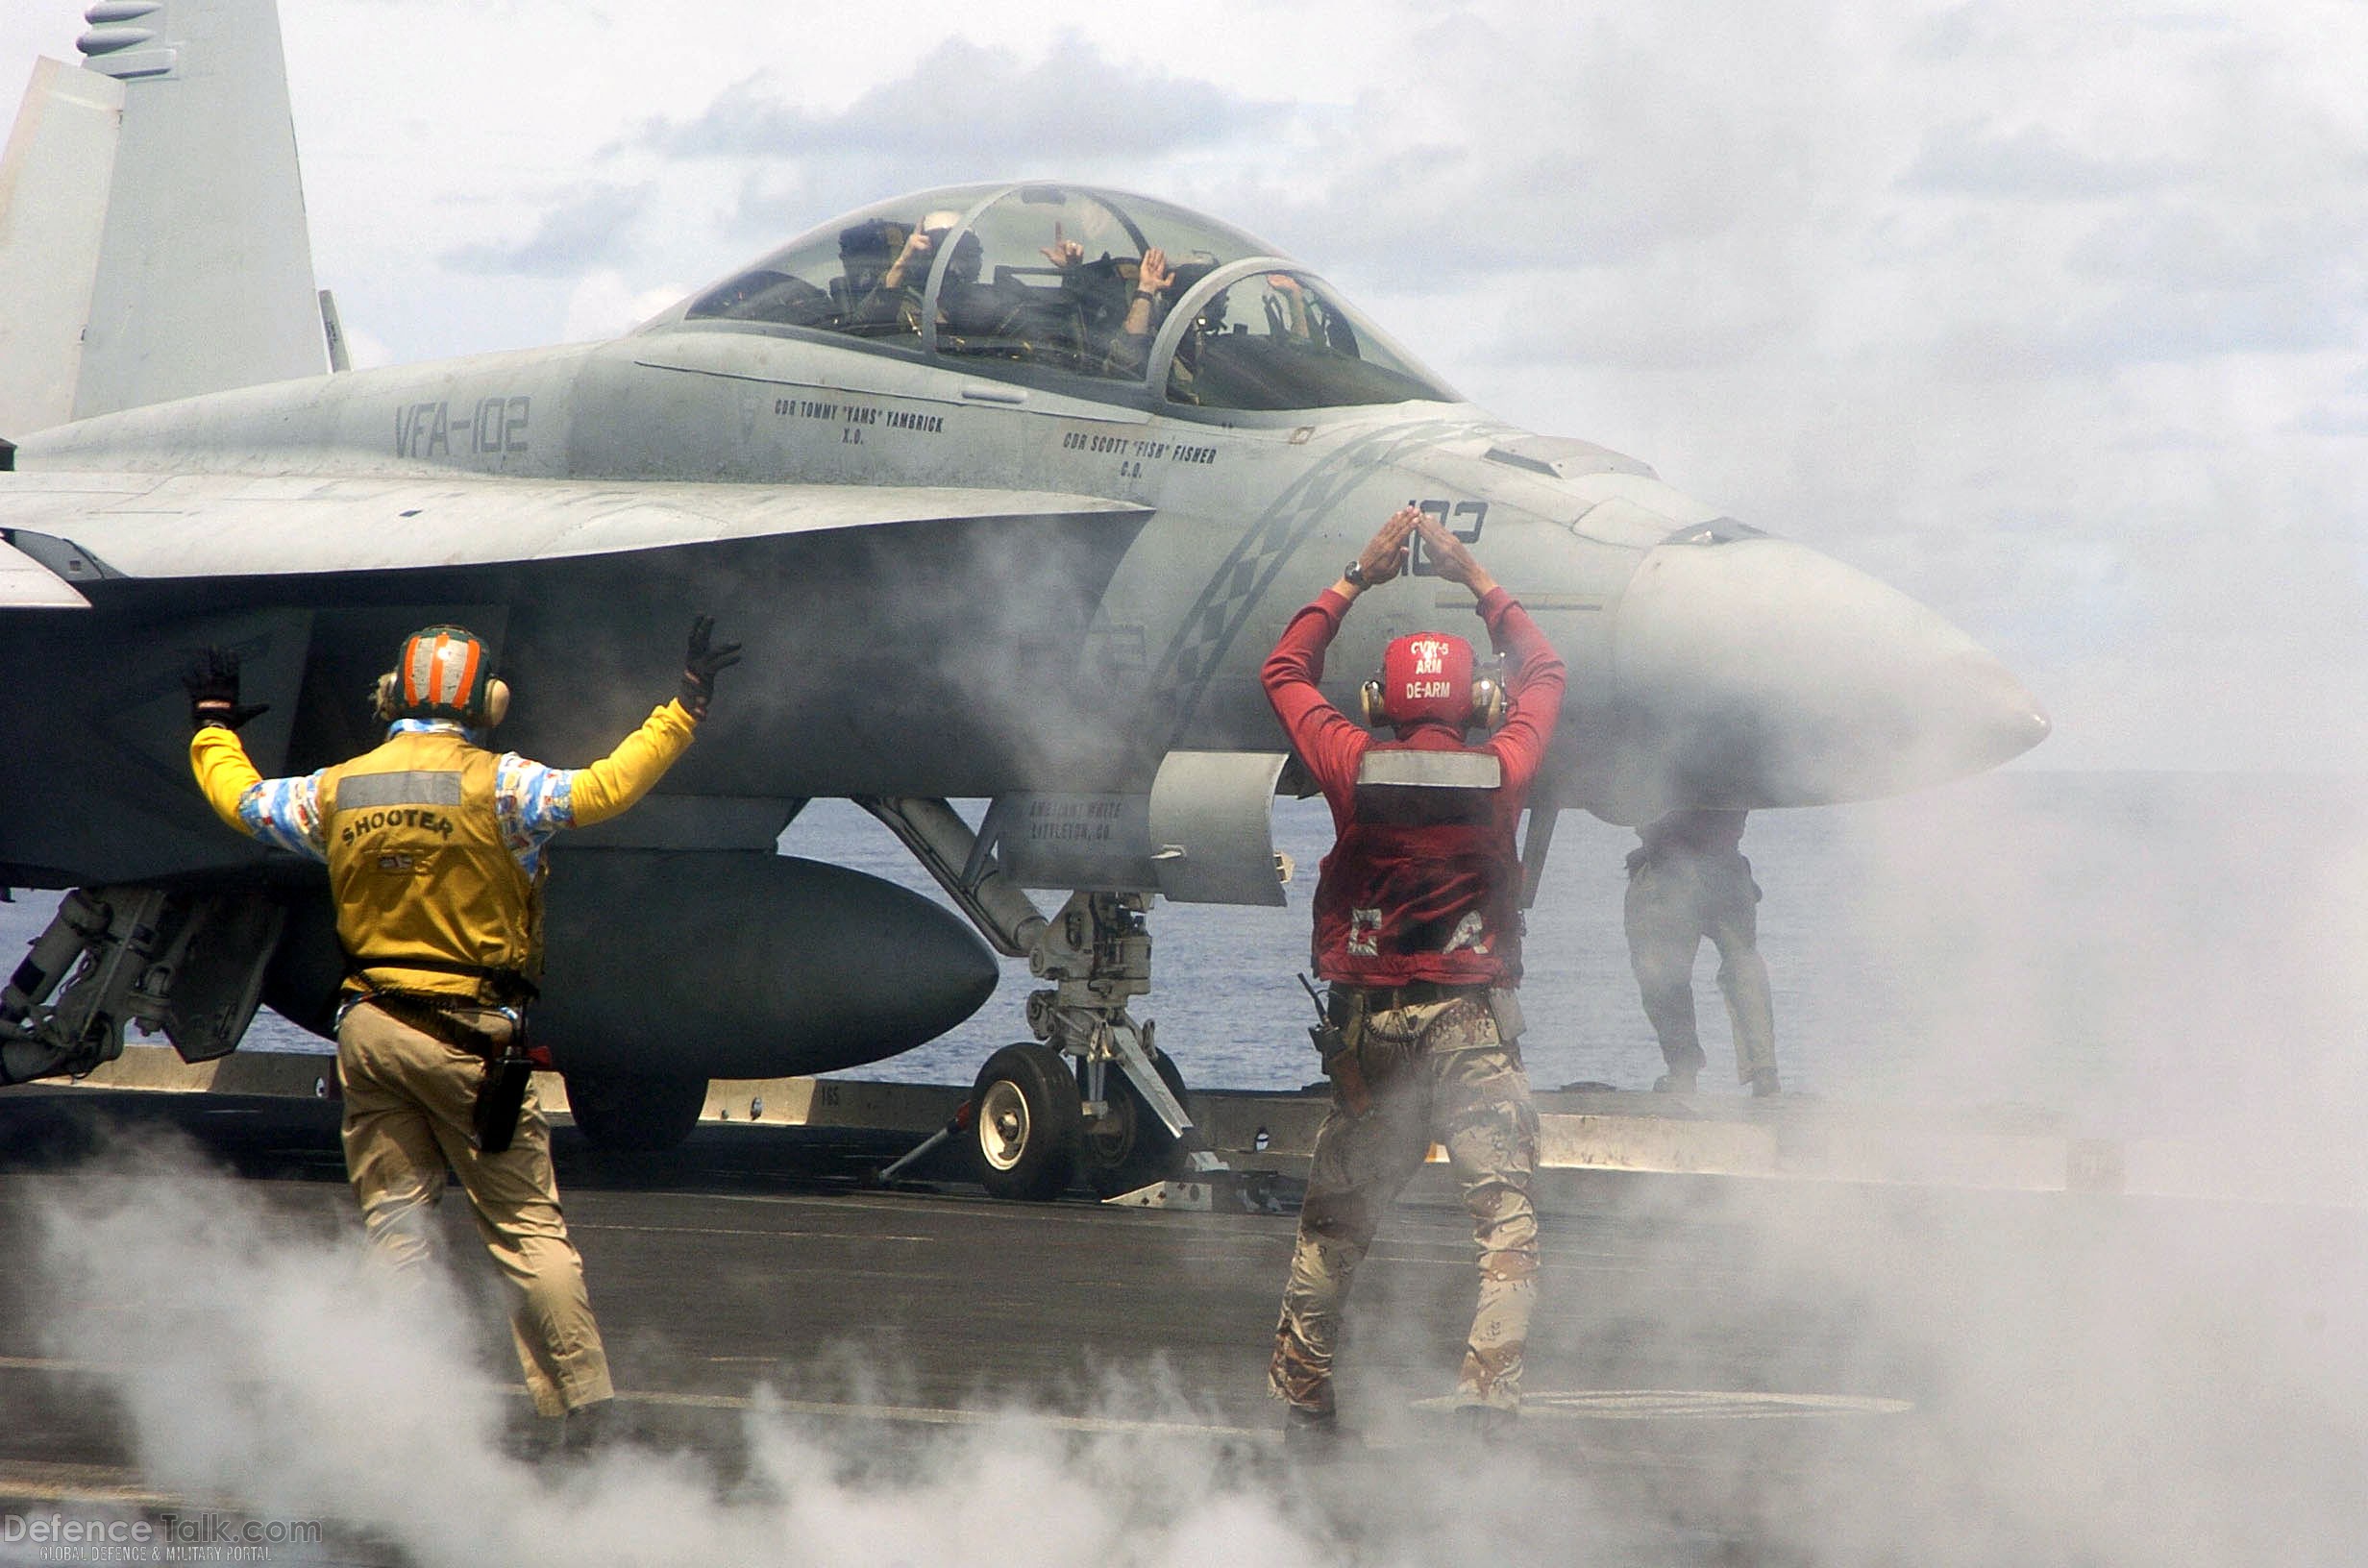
pixel 1356 573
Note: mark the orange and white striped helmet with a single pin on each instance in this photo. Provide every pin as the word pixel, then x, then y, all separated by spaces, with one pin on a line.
pixel 442 673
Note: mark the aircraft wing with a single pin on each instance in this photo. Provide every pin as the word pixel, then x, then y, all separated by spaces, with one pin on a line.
pixel 26 584
pixel 161 525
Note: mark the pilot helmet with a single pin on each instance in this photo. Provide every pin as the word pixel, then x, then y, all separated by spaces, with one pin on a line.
pixel 443 672
pixel 872 244
pixel 1186 274
pixel 963 264
pixel 1430 677
pixel 968 256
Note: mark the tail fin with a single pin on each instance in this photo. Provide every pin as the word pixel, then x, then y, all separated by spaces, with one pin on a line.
pixel 203 274
pixel 53 207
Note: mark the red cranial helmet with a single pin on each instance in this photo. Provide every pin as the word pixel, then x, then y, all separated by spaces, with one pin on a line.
pixel 1428 675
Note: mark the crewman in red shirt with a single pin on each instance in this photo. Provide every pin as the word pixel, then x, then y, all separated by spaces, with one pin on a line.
pixel 1419 934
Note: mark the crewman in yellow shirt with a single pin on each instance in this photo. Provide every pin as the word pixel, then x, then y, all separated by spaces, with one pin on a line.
pixel 434 847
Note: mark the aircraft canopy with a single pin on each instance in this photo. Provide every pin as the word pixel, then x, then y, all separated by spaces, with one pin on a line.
pixel 1056 282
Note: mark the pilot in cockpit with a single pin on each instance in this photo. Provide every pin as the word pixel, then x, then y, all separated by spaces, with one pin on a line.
pixel 1210 321
pixel 865 251
pixel 1285 310
pixel 1147 307
pixel 1101 289
pixel 1149 287
pixel 895 301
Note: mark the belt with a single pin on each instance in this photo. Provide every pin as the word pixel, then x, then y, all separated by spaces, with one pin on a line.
pixel 510 984
pixel 1415 994
pixel 433 1016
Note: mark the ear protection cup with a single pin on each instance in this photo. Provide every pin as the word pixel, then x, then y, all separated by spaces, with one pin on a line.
pixel 497 702
pixel 382 698
pixel 1369 700
pixel 1488 702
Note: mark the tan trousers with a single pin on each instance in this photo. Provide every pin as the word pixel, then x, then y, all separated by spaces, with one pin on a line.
pixel 407 1103
pixel 1437 1072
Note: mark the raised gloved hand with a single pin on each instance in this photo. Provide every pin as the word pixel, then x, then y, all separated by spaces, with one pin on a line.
pixel 701 664
pixel 213 682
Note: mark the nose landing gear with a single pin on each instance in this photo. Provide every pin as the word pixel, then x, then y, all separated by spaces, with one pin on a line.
pixel 1029 1126
pixel 1052 1113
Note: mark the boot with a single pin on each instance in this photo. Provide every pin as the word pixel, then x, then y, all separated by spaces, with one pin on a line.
pixel 1763 1084
pixel 1485 1426
pixel 589 1429
pixel 1312 1432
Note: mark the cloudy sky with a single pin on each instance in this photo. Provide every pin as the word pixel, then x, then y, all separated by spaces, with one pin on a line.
pixel 2050 312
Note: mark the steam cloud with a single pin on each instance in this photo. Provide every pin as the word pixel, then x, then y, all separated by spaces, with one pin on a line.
pixel 2094 1385
pixel 294 1376
pixel 2102 1382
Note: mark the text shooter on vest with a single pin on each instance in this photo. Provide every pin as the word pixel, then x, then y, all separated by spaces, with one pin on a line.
pixel 434 847
pixel 1419 934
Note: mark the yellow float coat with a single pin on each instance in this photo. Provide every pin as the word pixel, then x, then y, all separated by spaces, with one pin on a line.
pixel 418 866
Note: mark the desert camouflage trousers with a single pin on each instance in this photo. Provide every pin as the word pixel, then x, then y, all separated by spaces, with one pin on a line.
pixel 408 1100
pixel 1437 1073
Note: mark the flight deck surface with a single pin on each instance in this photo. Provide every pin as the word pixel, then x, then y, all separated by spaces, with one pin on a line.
pixel 1723 1371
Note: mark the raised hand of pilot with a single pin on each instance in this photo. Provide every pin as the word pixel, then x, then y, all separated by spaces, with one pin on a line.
pixel 1453 557
pixel 916 252
pixel 211 678
pixel 1152 274
pixel 1063 253
pixel 701 665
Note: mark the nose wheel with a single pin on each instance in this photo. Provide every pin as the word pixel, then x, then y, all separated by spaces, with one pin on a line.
pixel 1030 1136
pixel 1029 1123
pixel 1092 1099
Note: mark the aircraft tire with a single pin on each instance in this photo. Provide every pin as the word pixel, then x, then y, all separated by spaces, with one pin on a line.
pixel 634 1114
pixel 1028 1125
pixel 1131 1148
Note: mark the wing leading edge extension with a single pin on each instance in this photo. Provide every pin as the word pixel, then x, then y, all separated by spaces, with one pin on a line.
pixel 178 526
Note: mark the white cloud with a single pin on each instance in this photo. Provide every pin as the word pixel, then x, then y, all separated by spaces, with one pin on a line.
pixel 587 227
pixel 2030 161
pixel 604 306
pixel 1075 101
pixel 2054 316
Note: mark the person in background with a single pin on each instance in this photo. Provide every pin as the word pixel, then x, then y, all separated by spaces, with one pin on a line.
pixel 1687 880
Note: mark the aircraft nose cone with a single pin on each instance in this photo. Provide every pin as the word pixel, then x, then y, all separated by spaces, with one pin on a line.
pixel 1759 673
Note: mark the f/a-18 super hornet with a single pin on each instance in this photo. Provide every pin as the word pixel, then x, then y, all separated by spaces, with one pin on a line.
pixel 1007 488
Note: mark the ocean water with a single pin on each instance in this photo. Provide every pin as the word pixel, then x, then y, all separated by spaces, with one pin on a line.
pixel 2141 950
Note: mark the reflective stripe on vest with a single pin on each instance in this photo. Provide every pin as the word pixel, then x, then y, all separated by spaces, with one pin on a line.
pixel 418 868
pixel 359 790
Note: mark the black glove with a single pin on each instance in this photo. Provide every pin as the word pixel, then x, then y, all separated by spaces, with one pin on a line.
pixel 702 663
pixel 212 680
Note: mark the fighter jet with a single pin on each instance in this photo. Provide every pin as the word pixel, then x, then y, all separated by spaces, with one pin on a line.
pixel 1007 488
